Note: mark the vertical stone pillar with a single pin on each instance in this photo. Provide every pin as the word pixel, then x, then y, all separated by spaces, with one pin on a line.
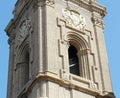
pixel 43 91
pixel 37 38
pixel 83 63
pixel 50 38
pixel 102 56
pixel 11 67
pixel 64 51
pixel 90 61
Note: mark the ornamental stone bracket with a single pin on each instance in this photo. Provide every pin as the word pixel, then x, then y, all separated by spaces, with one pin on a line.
pixel 74 20
pixel 24 30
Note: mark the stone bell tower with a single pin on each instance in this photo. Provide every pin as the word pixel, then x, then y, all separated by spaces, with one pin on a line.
pixel 57 50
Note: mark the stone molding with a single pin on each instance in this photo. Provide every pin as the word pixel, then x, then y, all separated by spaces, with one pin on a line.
pixel 72 83
pixel 68 25
pixel 65 82
pixel 87 4
pixel 41 3
pixel 90 5
pixel 19 7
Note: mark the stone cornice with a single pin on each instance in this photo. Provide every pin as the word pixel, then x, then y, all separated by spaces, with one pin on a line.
pixel 48 76
pixel 91 6
pixel 10 27
pixel 98 8
pixel 23 4
pixel 62 81
pixel 20 8
pixel 10 32
pixel 17 15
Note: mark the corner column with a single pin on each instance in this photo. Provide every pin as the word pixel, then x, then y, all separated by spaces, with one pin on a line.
pixel 102 56
pixel 10 85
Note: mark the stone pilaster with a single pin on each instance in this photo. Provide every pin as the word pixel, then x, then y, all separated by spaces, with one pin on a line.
pixel 11 66
pixel 102 56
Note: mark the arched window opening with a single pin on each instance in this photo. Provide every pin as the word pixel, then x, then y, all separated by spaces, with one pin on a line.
pixel 26 67
pixel 73 60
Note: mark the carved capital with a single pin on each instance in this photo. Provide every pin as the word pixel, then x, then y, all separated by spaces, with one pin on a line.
pixel 98 22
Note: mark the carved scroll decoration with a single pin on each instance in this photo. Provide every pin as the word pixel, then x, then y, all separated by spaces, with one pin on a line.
pixel 74 19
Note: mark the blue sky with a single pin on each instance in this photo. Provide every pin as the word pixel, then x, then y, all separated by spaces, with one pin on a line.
pixel 112 38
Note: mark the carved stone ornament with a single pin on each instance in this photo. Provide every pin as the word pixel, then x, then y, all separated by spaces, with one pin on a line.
pixel 98 22
pixel 24 29
pixel 50 2
pixel 74 19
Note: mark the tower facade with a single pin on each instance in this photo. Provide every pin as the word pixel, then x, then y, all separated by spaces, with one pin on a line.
pixel 57 50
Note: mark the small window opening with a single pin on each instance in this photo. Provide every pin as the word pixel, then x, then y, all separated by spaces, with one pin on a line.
pixel 73 60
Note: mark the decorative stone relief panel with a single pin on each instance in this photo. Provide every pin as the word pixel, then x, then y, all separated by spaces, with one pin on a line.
pixel 74 19
pixel 24 29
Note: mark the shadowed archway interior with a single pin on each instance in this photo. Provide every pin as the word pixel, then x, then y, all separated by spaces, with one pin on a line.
pixel 73 60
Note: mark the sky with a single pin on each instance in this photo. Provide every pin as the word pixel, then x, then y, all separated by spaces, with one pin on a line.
pixel 112 38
